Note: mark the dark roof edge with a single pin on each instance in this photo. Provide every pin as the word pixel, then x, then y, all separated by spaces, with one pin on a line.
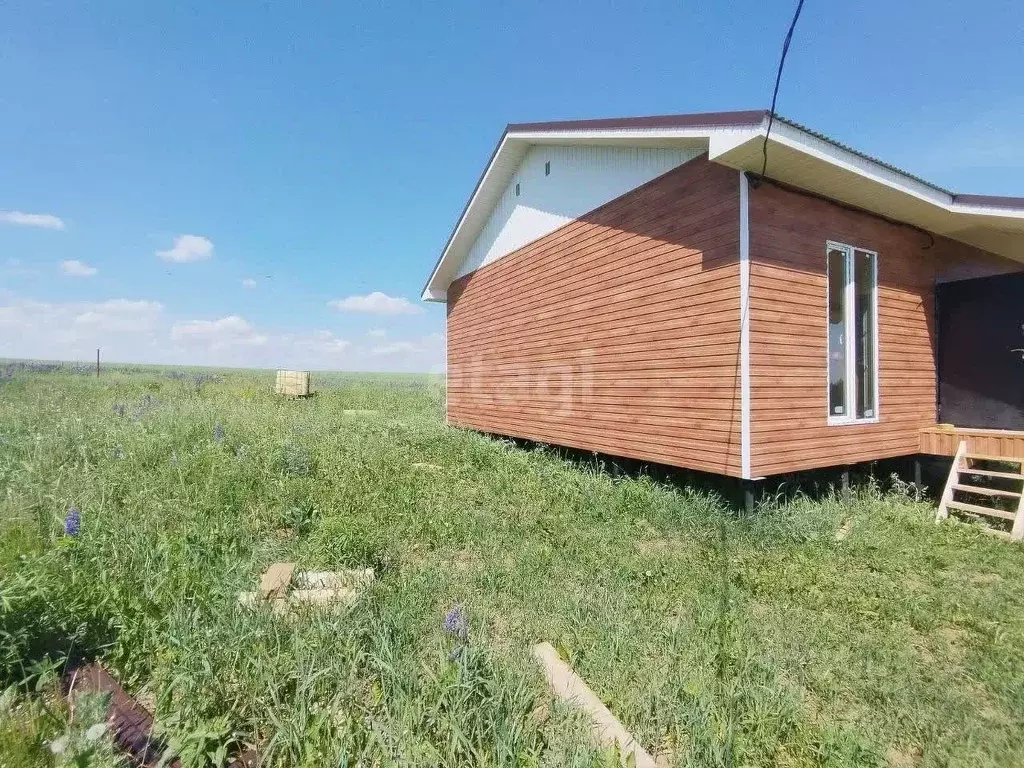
pixel 698 120
pixel 748 117
pixel 990 201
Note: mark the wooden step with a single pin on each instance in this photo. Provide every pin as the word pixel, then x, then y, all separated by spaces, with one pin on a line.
pixel 987 491
pixel 978 510
pixel 953 485
pixel 990 473
pixel 982 457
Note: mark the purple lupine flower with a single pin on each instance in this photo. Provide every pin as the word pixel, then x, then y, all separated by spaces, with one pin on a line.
pixel 456 624
pixel 218 433
pixel 72 522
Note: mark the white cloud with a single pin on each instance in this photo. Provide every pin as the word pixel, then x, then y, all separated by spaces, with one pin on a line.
pixel 188 248
pixel 124 328
pixel 230 330
pixel 137 330
pixel 425 346
pixel 376 303
pixel 77 268
pixel 119 315
pixel 377 333
pixel 42 220
pixel 393 349
pixel 321 342
pixel 233 340
pixel 248 282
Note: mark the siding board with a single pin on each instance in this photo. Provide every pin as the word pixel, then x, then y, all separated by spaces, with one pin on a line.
pixel 618 333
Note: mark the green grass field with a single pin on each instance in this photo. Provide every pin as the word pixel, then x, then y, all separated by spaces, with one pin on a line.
pixel 717 639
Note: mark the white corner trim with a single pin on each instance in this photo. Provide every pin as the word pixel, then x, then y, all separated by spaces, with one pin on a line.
pixel 447 367
pixel 744 327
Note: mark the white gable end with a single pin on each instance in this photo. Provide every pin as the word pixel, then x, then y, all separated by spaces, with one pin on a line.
pixel 559 183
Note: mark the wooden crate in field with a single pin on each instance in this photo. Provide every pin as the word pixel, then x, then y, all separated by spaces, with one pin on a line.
pixel 294 384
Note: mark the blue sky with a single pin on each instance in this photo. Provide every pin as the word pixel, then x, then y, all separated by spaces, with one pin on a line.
pixel 323 151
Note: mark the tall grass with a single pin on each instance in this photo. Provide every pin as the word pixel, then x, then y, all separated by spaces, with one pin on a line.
pixel 717 639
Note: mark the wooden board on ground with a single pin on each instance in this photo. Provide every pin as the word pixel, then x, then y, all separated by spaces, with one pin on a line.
pixel 129 723
pixel 276 579
pixel 285 590
pixel 285 605
pixel 351 579
pixel 570 688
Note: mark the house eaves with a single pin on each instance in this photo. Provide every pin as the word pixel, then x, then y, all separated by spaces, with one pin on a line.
pixel 797 156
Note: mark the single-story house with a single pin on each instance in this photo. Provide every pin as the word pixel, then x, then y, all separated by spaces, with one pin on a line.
pixel 636 287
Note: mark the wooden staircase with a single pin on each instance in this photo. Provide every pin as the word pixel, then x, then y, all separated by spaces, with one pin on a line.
pixel 972 475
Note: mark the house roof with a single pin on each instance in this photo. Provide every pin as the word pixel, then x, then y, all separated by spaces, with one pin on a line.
pixel 797 156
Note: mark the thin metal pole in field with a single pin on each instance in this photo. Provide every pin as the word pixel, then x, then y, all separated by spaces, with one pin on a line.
pixel 97 362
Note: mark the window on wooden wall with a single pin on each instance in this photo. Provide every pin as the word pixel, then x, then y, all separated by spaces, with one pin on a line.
pixel 852 334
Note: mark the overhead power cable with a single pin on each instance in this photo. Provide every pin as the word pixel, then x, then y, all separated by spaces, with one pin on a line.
pixel 778 79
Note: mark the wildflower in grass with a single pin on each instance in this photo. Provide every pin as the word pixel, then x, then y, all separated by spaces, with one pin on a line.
pixel 146 404
pixel 218 433
pixel 72 522
pixel 456 624
pixel 174 458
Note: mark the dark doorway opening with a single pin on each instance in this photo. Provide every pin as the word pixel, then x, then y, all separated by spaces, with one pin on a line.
pixel 981 352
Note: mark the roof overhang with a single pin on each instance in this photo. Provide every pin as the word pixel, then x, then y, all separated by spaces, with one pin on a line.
pixel 796 156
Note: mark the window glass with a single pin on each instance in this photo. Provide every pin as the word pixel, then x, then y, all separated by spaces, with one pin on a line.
pixel 837 332
pixel 864 331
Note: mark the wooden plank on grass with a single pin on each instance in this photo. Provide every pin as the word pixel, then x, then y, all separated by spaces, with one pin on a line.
pixel 570 688
pixel 350 579
pixel 323 596
pixel 130 724
pixel 276 579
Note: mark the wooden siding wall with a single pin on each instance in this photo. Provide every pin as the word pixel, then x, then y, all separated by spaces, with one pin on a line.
pixel 788 325
pixel 617 333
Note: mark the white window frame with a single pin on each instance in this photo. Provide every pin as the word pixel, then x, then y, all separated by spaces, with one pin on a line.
pixel 849 301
